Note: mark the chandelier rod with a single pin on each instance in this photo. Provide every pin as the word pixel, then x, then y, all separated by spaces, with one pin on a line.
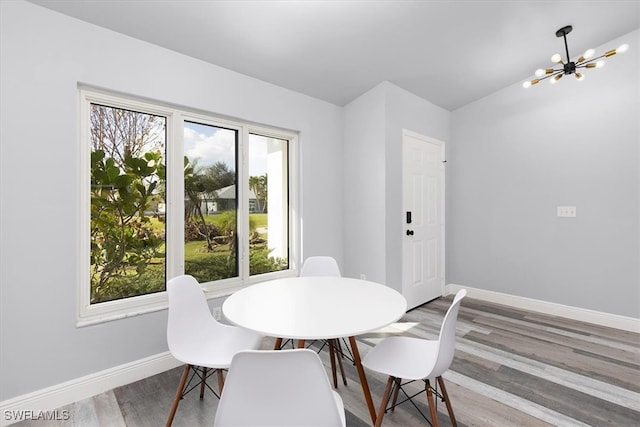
pixel 566 46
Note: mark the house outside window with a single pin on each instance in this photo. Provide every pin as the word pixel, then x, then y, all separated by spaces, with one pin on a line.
pixel 167 191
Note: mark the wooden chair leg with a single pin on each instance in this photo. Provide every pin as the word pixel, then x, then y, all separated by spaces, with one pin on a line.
pixel 383 403
pixel 339 357
pixel 220 381
pixel 432 404
pixel 178 396
pixel 339 347
pixel 447 402
pixel 202 384
pixel 278 344
pixel 395 394
pixel 332 356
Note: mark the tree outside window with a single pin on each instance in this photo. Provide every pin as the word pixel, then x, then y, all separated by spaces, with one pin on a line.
pixel 127 193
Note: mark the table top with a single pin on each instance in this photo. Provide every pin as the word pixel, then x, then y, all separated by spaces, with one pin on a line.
pixel 314 307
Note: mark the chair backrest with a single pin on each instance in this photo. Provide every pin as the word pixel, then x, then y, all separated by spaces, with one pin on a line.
pixel 278 388
pixel 320 266
pixel 189 315
pixel 447 338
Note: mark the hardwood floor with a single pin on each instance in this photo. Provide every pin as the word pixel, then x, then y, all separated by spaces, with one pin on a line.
pixel 511 368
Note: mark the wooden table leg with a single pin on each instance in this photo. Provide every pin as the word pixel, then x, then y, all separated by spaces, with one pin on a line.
pixel 363 379
pixel 300 343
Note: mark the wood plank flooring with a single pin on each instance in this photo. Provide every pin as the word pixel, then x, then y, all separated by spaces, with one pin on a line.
pixel 511 368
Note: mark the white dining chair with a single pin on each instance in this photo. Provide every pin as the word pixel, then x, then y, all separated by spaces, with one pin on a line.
pixel 284 388
pixel 321 265
pixel 197 339
pixel 412 359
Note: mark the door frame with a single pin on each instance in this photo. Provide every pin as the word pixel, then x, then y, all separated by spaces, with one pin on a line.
pixel 442 173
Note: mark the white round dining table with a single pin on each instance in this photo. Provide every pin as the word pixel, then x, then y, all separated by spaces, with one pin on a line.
pixel 314 307
pixel 317 307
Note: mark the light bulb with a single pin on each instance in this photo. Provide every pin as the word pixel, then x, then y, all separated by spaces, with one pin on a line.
pixel 539 72
pixel 579 76
pixel 623 48
pixel 598 64
pixel 526 84
pixel 555 79
pixel 556 58
pixel 588 54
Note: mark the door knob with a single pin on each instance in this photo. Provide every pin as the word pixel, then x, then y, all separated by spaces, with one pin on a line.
pixel 409 232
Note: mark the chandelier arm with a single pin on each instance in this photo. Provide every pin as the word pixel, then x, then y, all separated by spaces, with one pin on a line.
pixel 555 73
pixel 584 63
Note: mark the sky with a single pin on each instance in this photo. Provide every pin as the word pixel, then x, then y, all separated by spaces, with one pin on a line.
pixel 210 144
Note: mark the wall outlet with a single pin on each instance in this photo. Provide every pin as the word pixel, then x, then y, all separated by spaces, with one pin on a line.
pixel 217 313
pixel 566 211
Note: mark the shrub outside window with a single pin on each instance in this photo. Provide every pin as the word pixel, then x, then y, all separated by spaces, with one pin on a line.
pixel 168 192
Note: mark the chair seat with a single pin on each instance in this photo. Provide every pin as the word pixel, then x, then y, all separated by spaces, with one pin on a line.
pixel 403 357
pixel 215 349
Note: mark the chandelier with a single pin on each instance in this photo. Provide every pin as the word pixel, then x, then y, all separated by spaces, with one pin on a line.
pixel 571 67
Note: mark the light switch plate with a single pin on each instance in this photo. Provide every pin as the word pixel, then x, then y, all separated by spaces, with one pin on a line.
pixel 567 211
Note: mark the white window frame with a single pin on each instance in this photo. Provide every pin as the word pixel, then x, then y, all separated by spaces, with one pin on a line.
pixel 88 313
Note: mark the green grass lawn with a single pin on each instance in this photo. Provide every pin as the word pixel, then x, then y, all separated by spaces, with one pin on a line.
pixel 256 220
pixel 202 264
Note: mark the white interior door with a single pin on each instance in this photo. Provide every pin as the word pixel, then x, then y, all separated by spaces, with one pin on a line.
pixel 423 216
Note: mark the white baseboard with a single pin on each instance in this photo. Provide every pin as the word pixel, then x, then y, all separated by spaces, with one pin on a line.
pixel 57 396
pixel 624 323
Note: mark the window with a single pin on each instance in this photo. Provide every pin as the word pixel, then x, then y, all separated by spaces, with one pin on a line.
pixel 168 191
pixel 210 202
pixel 268 190
pixel 127 246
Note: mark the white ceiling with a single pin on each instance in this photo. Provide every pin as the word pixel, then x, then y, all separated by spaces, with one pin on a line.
pixel 448 52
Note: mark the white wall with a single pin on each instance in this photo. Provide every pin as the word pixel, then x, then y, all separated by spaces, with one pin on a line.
pixel 364 184
pixel 518 154
pixel 44 55
pixel 373 176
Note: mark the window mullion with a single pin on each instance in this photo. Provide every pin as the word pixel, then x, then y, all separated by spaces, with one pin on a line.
pixel 243 204
pixel 175 196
